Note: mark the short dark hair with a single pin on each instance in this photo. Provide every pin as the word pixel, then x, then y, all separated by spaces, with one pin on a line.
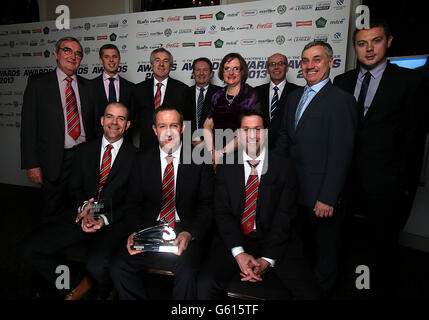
pixel 108 46
pixel 206 60
pixel 167 107
pixel 243 65
pixel 120 105
pixel 373 23
pixel 254 112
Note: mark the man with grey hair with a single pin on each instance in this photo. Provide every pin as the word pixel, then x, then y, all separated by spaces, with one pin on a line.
pixel 150 94
pixel 318 132
pixel 57 115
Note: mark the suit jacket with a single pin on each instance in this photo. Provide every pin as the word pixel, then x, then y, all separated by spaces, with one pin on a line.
pixel 85 175
pixel 125 91
pixel 275 208
pixel 193 195
pixel 42 124
pixel 190 108
pixel 143 105
pixel 275 122
pixel 322 144
pixel 390 138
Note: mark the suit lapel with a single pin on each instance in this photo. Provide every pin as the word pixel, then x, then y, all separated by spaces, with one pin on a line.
pixel 58 111
pixel 101 89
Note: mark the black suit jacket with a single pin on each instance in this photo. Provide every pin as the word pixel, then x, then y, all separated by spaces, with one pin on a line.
pixel 193 196
pixel 190 107
pixel 275 122
pixel 85 175
pixel 143 105
pixel 322 144
pixel 275 209
pixel 390 138
pixel 42 124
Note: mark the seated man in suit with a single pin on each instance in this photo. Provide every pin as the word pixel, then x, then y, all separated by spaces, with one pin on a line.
pixel 254 212
pixel 318 132
pixel 101 169
pixel 199 96
pixel 166 187
pixel 111 87
pixel 152 93
pixel 274 94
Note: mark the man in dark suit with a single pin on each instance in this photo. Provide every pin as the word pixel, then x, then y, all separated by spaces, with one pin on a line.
pixel 199 96
pixel 389 147
pixel 254 212
pixel 57 114
pixel 152 93
pixel 274 94
pixel 318 132
pixel 111 87
pixel 101 169
pixel 166 186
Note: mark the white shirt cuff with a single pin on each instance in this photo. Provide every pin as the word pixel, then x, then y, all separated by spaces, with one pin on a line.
pixel 236 251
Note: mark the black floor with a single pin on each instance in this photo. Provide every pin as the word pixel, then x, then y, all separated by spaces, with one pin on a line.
pixel 20 208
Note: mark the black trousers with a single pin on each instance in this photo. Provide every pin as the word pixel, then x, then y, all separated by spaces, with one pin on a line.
pixel 125 269
pixel 292 270
pixel 42 248
pixel 322 240
pixel 55 192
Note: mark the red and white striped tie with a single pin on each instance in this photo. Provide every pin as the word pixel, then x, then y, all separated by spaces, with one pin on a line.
pixel 168 206
pixel 252 185
pixel 105 168
pixel 157 100
pixel 73 122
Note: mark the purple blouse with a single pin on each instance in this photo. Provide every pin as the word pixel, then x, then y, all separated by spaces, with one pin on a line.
pixel 227 116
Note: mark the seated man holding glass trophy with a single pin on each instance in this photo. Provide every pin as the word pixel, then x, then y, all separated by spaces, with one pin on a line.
pixel 168 213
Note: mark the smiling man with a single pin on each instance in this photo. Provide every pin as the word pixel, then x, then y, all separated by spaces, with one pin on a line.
pixel 57 115
pixel 274 94
pixel 165 190
pixel 154 92
pixel 318 132
pixel 392 104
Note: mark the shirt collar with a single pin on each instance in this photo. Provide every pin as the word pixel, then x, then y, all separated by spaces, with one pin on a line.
pixel 106 76
pixel 175 154
pixel 316 87
pixel 280 85
pixel 260 158
pixel 164 82
pixel 116 145
pixel 205 88
pixel 62 76
pixel 376 73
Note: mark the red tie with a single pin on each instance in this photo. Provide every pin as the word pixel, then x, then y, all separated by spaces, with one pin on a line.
pixel 157 100
pixel 248 217
pixel 73 123
pixel 105 168
pixel 168 205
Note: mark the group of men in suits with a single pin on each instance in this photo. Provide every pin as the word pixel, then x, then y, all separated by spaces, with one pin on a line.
pixel 334 149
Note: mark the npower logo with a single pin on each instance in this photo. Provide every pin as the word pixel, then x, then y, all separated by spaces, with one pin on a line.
pixel 252 12
pixel 247 42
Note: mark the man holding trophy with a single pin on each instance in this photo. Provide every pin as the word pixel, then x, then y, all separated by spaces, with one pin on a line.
pixel 168 213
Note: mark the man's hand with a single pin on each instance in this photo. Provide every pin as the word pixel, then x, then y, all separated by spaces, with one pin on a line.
pixel 90 224
pixel 263 266
pixel 85 211
pixel 35 175
pixel 246 263
pixel 130 243
pixel 182 241
pixel 323 210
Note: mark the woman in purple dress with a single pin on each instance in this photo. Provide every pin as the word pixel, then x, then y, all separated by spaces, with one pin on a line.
pixel 228 103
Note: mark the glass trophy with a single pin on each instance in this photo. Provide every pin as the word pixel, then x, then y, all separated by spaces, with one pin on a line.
pixel 158 238
pixel 100 208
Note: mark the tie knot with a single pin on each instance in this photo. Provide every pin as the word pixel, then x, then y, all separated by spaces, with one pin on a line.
pixel 112 79
pixel 367 75
pixel 169 158
pixel 69 79
pixel 202 90
pixel 276 88
pixel 159 85
pixel 253 163
pixel 109 147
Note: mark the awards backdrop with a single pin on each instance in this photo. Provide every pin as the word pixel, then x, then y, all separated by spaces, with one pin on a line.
pixel 254 29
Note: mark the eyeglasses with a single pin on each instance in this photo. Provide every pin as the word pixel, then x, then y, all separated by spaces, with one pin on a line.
pixel 68 52
pixel 234 69
pixel 280 63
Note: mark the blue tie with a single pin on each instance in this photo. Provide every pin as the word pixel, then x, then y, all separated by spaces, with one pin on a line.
pixel 112 91
pixel 200 106
pixel 299 109
pixel 362 94
pixel 274 102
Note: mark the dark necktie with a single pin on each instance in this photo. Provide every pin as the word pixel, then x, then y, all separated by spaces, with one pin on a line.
pixel 274 102
pixel 200 106
pixel 168 205
pixel 362 94
pixel 252 185
pixel 73 122
pixel 105 167
pixel 157 100
pixel 112 91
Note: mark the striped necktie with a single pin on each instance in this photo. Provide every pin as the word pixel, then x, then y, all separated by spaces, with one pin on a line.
pixel 73 122
pixel 200 106
pixel 157 100
pixel 274 102
pixel 168 205
pixel 252 185
pixel 105 167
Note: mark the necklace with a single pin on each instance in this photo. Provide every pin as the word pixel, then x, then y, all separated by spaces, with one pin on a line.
pixel 229 99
